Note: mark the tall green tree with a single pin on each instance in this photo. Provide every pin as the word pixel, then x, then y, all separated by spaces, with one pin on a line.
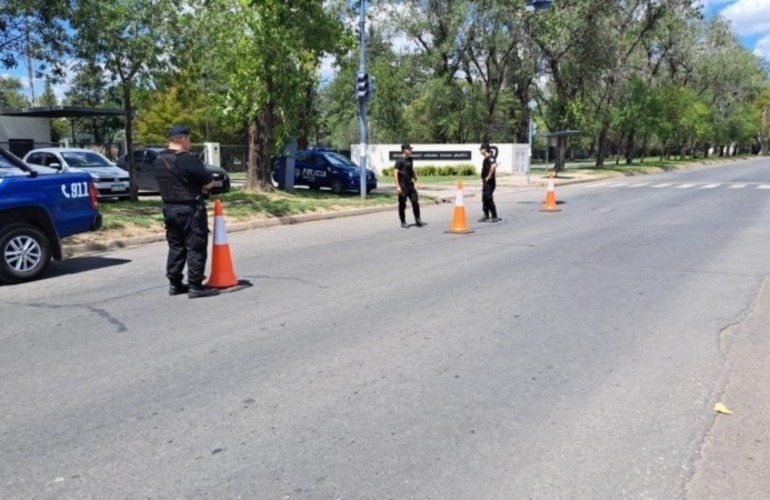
pixel 32 30
pixel 130 39
pixel 265 55
pixel 11 96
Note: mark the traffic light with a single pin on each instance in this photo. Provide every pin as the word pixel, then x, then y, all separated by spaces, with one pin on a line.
pixel 363 87
pixel 538 4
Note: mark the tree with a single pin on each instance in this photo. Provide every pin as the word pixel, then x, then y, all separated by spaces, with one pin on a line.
pixel 130 39
pixel 265 53
pixel 32 29
pixel 762 109
pixel 10 94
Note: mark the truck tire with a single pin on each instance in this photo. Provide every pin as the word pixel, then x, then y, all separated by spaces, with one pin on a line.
pixel 25 252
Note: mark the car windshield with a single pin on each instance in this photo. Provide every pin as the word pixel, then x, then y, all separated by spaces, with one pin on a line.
pixel 85 159
pixel 338 160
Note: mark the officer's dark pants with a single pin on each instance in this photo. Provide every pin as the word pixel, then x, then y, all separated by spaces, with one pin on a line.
pixel 487 201
pixel 187 235
pixel 408 191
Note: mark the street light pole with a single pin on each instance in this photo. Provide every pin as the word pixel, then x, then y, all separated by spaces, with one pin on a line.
pixel 361 95
pixel 531 132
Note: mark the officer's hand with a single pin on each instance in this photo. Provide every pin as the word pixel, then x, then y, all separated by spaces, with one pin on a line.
pixel 398 189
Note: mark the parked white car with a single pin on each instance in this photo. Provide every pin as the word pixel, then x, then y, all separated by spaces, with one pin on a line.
pixel 111 181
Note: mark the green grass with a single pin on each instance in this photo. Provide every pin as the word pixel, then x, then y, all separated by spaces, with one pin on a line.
pixel 240 205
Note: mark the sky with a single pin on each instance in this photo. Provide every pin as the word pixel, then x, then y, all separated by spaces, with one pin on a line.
pixel 750 20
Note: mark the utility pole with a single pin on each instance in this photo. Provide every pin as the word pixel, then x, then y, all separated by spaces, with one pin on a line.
pixel 363 94
pixel 30 64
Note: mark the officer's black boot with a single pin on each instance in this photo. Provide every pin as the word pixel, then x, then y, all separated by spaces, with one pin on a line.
pixel 198 290
pixel 178 288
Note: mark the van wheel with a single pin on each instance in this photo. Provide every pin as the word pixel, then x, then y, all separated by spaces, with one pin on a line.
pixel 25 253
pixel 337 186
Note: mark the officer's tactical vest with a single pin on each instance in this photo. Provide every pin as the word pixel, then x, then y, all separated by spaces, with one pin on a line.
pixel 174 185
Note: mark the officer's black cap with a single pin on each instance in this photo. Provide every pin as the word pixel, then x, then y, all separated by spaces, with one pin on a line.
pixel 178 130
pixel 485 146
pixel 406 146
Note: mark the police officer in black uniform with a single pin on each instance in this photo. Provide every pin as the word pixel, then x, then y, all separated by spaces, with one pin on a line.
pixel 184 182
pixel 488 169
pixel 405 178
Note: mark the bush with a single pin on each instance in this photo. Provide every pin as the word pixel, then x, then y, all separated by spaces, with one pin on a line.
pixel 438 171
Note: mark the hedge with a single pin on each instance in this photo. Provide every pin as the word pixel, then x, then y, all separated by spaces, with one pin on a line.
pixel 438 171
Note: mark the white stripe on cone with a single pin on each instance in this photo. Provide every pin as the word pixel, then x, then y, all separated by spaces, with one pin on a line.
pixel 459 200
pixel 220 234
pixel 550 185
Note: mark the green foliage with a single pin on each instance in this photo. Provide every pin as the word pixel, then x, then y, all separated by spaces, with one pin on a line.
pixel 438 170
pixel 264 56
pixel 11 96
pixel 34 27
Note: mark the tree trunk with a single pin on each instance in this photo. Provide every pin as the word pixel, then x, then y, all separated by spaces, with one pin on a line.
pixel 260 151
pixel 601 150
pixel 630 146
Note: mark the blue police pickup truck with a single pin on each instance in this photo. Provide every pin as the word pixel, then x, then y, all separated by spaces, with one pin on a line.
pixel 321 168
pixel 36 212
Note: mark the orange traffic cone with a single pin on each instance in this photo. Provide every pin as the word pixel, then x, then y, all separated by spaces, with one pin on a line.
pixel 222 274
pixel 550 197
pixel 459 223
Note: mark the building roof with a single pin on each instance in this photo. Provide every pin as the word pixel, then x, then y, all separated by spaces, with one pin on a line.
pixel 62 112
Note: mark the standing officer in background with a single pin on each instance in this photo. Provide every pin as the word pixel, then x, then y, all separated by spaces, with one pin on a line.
pixel 405 178
pixel 488 179
pixel 183 181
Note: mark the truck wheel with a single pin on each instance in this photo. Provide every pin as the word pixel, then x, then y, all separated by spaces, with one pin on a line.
pixel 25 253
pixel 337 186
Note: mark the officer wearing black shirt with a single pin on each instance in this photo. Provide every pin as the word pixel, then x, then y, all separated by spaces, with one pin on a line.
pixel 183 181
pixel 405 178
pixel 488 169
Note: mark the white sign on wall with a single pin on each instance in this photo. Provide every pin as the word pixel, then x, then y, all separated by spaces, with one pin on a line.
pixel 511 158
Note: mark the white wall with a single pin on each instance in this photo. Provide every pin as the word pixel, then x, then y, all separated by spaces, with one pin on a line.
pixel 19 127
pixel 511 158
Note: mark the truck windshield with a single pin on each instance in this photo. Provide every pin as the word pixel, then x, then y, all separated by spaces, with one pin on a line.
pixel 8 169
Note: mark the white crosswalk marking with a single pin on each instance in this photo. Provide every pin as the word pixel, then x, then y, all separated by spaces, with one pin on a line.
pixel 683 185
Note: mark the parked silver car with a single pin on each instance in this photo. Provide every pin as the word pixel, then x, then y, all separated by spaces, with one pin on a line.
pixel 111 181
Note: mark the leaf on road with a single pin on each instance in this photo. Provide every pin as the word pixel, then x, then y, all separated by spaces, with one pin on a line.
pixel 722 408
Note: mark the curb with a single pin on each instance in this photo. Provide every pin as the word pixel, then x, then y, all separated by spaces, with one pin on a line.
pixel 96 247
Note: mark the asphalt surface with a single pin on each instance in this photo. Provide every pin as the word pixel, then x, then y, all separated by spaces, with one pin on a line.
pixel 576 354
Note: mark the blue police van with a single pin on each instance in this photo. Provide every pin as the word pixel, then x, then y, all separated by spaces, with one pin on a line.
pixel 319 168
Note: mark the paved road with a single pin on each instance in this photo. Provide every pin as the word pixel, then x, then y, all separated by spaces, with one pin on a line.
pixel 576 354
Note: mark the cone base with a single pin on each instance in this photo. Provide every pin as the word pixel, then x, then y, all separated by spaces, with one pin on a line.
pixel 550 209
pixel 458 231
pixel 222 272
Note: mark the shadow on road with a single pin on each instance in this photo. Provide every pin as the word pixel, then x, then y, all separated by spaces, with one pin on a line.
pixel 76 265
